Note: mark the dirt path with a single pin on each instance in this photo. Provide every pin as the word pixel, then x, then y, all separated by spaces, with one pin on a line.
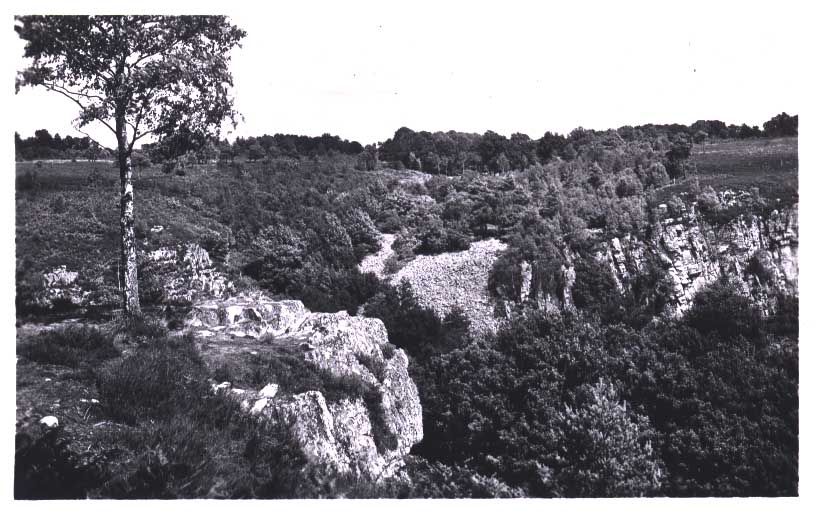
pixel 375 263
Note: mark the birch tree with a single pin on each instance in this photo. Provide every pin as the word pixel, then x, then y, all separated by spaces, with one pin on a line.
pixel 162 77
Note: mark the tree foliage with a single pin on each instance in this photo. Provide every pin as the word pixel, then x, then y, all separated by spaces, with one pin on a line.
pixel 165 74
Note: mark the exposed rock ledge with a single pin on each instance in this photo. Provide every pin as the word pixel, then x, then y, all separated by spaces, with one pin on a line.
pixel 338 434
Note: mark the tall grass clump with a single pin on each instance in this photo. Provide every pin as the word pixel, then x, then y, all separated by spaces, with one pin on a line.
pixel 71 345
pixel 159 379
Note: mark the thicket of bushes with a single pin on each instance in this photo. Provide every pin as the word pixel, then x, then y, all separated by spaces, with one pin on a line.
pixel 532 406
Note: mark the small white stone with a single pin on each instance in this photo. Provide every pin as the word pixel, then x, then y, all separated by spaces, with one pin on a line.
pixel 216 388
pixel 48 379
pixel 258 406
pixel 50 421
pixel 269 391
pixel 95 401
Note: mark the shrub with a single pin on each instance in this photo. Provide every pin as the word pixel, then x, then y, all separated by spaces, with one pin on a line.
pixel 211 449
pixel 758 268
pixel 70 346
pixel 169 166
pixel 143 326
pixel 723 310
pixel 505 277
pixel 708 200
pixel 388 350
pixel 27 181
pixel 606 447
pixel 383 437
pixel 437 239
pixel 676 207
pixel 392 265
pixel 409 325
pixel 627 185
pixel 45 468
pixel 432 479
pixel 140 160
pixel 594 288
pixel 160 378
pixel 58 205
pixel 373 365
pixel 786 319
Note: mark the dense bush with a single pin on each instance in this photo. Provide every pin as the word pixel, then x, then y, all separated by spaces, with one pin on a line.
pixel 46 468
pixel 530 405
pixel 594 288
pixel 720 309
pixel 70 345
pixel 415 328
pixel 436 239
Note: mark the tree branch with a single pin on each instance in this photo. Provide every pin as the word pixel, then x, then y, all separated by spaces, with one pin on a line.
pixel 135 126
pixel 55 87
pixel 90 137
pixel 138 137
pixel 161 51
pixel 80 105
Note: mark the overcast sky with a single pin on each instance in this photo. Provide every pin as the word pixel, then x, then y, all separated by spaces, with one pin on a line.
pixel 362 72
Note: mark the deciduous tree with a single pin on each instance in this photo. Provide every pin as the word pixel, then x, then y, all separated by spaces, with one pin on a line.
pixel 139 76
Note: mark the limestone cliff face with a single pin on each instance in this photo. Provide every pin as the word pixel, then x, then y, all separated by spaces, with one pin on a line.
pixel 350 435
pixel 759 253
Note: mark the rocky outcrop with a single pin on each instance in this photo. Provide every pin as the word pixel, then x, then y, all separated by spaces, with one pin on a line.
pixel 180 275
pixel 449 280
pixel 758 253
pixel 246 315
pixel 60 289
pixel 553 301
pixel 366 436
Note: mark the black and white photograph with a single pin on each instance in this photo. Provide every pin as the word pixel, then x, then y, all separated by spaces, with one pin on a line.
pixel 376 250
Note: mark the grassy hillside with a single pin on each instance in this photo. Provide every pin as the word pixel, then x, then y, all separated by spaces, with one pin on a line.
pixel 767 164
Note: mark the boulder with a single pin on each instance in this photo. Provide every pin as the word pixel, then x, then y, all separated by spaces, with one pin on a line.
pixel 49 421
pixel 349 435
pixel 182 275
pixel 60 289
pixel 247 314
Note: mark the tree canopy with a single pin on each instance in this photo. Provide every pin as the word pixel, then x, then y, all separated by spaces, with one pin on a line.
pixel 165 75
